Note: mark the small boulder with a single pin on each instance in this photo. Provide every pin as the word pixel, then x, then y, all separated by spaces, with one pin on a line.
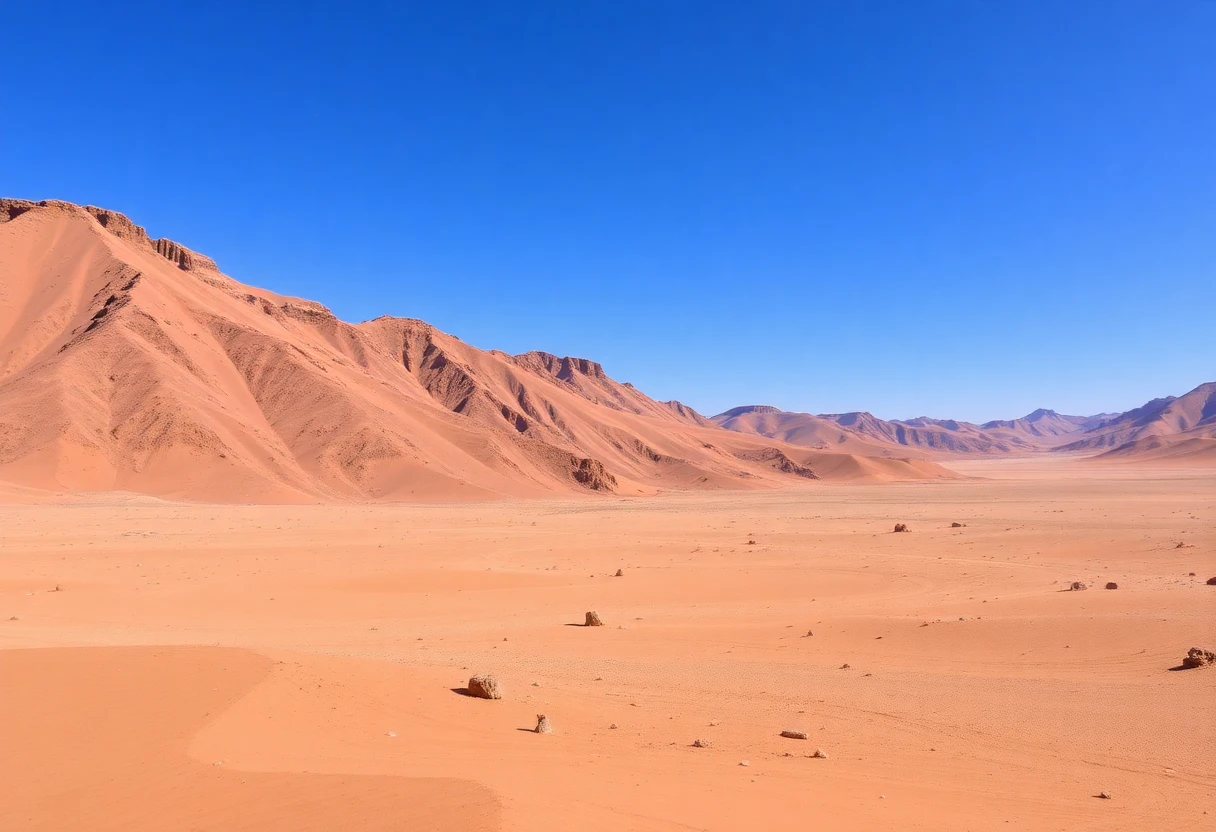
pixel 820 754
pixel 543 725
pixel 793 735
pixel 1111 585
pixel 1211 581
pixel 701 744
pixel 485 687
pixel 1077 586
pixel 956 525
pixel 1104 795
pixel 1198 657
pixel 901 527
pixel 593 619
pixel 620 573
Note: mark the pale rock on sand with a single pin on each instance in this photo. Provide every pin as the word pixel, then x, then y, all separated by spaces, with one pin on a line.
pixel 543 725
pixel 485 687
pixel 794 735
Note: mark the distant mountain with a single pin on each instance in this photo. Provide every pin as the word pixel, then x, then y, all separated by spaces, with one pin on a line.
pixel 1160 429
pixel 1045 423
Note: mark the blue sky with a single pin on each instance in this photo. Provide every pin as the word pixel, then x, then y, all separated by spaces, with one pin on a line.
pixel 937 208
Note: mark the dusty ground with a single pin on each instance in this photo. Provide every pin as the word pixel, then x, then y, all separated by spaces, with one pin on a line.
pixel 218 667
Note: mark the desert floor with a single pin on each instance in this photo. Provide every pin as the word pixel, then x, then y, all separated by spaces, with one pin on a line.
pixel 285 667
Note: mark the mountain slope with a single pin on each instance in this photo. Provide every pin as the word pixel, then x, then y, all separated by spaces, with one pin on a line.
pixel 1146 432
pixel 132 363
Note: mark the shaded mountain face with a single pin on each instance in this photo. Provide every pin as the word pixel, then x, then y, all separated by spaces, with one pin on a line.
pixel 133 363
pixel 1156 425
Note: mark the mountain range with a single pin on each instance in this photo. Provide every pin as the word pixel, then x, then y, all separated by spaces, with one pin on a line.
pixel 1179 429
pixel 131 363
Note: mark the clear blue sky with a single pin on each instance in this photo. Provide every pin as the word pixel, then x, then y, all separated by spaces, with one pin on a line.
pixel 964 209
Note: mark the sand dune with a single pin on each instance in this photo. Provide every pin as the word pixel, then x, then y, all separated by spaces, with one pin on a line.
pixel 134 364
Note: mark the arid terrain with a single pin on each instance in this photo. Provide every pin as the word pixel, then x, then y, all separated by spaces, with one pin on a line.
pixel 173 665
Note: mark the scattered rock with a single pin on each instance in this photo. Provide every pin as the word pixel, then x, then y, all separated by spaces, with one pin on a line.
pixel 1077 586
pixel 820 754
pixel 593 619
pixel 620 573
pixel 901 527
pixel 1111 585
pixel 1198 657
pixel 543 725
pixel 485 687
pixel 793 735
pixel 701 744
pixel 1104 795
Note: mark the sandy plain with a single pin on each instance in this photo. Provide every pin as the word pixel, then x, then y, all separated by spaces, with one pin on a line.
pixel 220 667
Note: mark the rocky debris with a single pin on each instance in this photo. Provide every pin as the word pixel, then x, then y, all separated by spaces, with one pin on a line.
pixel 620 573
pixel 956 525
pixel 592 474
pixel 793 735
pixel 701 744
pixel 543 725
pixel 820 754
pixel 1211 581
pixel 901 527
pixel 1104 795
pixel 593 619
pixel 1180 545
pixel 1198 657
pixel 485 687
pixel 1111 585
pixel 1077 586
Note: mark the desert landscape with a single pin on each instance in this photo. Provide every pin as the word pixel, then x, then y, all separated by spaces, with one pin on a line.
pixel 257 563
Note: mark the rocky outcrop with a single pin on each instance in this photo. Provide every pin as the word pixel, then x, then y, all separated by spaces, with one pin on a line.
pixel 1198 657
pixel 592 474
pixel 777 460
